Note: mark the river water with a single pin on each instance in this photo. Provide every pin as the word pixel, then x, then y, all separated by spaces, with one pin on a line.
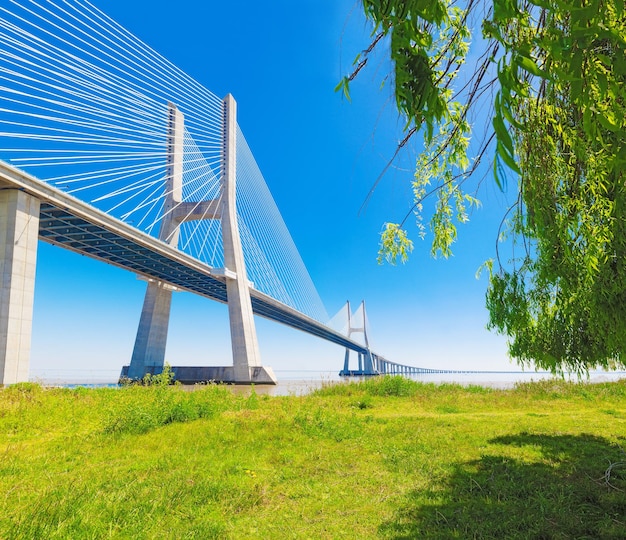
pixel 303 382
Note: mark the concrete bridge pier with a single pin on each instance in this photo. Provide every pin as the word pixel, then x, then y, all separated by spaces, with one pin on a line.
pixel 246 356
pixel 19 232
pixel 149 351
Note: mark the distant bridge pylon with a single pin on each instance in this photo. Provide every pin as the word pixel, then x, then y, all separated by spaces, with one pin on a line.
pixel 365 360
pixel 368 362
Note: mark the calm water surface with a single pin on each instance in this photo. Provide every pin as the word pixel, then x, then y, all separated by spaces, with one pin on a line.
pixel 303 382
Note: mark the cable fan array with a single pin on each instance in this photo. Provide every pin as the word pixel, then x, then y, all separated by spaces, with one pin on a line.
pixel 84 107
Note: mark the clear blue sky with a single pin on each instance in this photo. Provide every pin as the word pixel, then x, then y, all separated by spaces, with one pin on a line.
pixel 320 155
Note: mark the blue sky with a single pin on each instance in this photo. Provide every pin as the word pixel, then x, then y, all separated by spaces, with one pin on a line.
pixel 320 155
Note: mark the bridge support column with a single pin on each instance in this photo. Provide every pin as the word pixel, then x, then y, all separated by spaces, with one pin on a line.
pixel 19 231
pixel 365 359
pixel 246 357
pixel 346 362
pixel 368 362
pixel 149 351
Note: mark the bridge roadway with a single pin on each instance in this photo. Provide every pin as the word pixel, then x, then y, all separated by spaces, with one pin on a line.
pixel 73 224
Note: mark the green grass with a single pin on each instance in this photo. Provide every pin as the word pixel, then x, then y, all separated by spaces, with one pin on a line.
pixel 386 458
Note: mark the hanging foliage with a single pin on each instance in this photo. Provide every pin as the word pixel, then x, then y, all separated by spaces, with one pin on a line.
pixel 557 72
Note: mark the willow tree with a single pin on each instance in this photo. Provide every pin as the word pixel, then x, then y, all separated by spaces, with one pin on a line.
pixel 554 72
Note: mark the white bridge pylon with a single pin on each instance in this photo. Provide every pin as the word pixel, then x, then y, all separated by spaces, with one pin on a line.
pixel 357 324
pixel 150 343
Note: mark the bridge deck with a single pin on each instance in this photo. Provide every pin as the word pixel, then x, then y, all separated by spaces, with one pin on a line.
pixel 68 222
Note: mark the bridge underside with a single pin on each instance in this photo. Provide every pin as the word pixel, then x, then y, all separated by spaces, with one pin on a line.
pixel 60 227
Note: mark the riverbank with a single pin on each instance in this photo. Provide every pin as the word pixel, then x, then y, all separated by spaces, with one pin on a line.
pixel 301 382
pixel 388 458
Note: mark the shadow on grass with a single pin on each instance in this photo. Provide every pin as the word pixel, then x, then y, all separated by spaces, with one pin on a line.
pixel 541 486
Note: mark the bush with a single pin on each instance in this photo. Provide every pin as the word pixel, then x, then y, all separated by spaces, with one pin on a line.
pixel 161 404
pixel 389 385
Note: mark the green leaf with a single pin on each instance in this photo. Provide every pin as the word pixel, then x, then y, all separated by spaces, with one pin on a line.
pixel 502 134
pixel 531 66
pixel 507 158
pixel 344 84
pixel 487 265
pixel 496 174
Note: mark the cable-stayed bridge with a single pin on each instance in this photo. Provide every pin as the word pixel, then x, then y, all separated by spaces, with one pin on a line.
pixel 111 151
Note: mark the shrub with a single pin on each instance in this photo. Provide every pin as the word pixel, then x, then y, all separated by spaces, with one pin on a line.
pixel 161 404
pixel 389 385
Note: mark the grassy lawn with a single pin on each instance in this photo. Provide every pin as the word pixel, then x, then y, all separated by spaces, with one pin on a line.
pixel 388 458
